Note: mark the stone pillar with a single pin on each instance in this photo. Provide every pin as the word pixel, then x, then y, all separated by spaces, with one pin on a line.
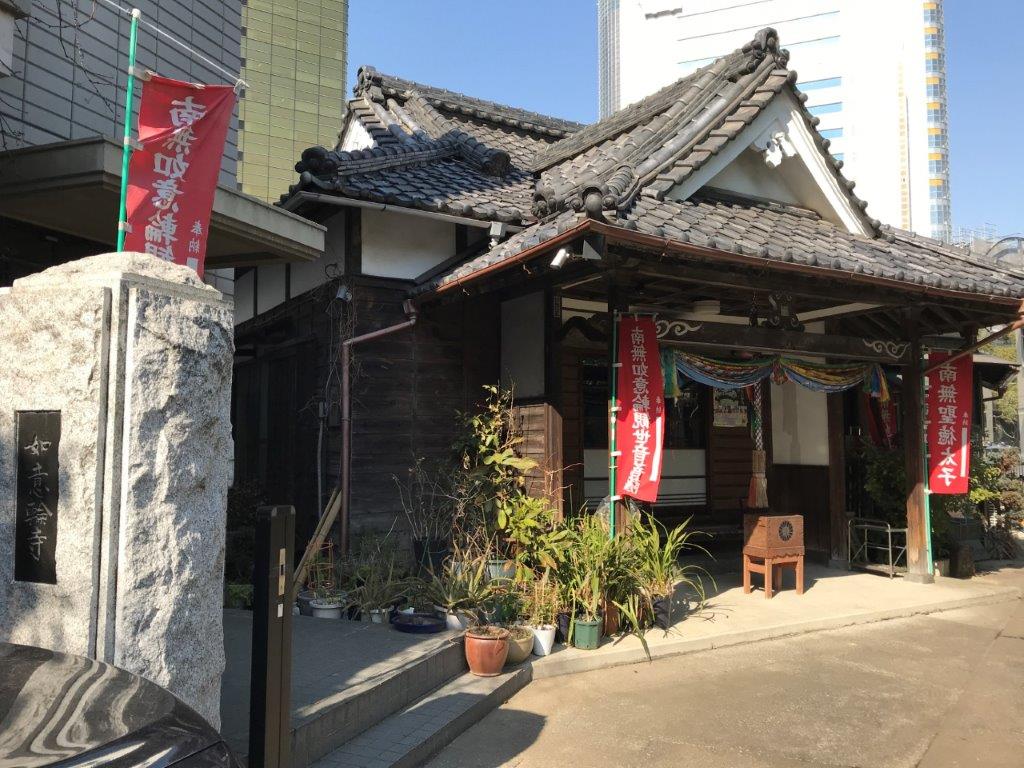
pixel 135 355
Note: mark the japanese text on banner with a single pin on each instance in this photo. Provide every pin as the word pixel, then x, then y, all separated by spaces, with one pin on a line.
pixel 950 394
pixel 173 177
pixel 640 421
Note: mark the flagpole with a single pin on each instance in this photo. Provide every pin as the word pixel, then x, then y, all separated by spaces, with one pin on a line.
pixel 126 152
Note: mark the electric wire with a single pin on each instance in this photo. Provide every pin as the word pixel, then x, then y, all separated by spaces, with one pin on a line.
pixel 236 77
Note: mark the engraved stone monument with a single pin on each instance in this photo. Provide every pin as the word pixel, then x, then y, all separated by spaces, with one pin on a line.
pixel 115 460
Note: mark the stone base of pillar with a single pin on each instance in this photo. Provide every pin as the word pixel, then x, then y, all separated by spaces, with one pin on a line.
pixel 920 578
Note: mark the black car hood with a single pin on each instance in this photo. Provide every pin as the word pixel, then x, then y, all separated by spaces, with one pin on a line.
pixel 62 710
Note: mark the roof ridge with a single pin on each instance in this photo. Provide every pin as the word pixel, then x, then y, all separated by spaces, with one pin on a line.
pixel 370 78
pixel 490 160
pixel 741 61
pixel 319 162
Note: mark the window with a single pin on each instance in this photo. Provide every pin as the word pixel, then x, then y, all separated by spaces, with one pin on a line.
pixel 685 425
pixel 831 133
pixel 932 66
pixel 936 140
pixel 936 166
pixel 815 85
pixel 826 109
pixel 934 91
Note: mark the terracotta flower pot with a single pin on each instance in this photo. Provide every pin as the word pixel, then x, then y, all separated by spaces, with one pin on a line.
pixel 486 650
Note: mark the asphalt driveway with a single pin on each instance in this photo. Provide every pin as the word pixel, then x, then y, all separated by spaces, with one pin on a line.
pixel 934 691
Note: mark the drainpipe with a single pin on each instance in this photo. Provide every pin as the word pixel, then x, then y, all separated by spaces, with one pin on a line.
pixel 346 410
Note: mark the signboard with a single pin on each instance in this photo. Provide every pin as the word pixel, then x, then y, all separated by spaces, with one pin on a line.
pixel 730 408
pixel 38 496
pixel 950 394
pixel 640 421
pixel 173 177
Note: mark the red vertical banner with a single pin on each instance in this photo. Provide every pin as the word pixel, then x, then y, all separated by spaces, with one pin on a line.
pixel 173 177
pixel 950 396
pixel 640 420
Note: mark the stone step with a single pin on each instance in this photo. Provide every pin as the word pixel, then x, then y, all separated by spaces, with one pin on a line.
pixel 318 730
pixel 408 738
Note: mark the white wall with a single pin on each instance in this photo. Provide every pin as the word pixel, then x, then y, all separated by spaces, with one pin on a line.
pixel 308 275
pixel 403 246
pixel 799 425
pixel 522 344
pixel 244 297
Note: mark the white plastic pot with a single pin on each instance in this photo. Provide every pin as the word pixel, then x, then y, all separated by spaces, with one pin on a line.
pixel 543 639
pixel 326 609
pixel 377 615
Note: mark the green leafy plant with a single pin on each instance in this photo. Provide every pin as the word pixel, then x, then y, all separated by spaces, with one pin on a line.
pixel 528 526
pixel 885 483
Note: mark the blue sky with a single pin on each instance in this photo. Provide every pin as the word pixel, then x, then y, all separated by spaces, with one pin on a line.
pixel 485 49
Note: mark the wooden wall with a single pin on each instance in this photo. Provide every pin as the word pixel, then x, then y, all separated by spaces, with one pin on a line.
pixel 540 426
pixel 803 490
pixel 406 390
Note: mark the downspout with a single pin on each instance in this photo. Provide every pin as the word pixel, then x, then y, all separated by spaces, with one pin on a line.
pixel 346 411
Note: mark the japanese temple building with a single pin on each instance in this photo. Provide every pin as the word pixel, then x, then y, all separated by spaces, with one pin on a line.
pixel 489 243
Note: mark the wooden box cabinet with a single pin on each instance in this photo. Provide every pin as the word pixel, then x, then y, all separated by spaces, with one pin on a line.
pixel 773 535
pixel 771 543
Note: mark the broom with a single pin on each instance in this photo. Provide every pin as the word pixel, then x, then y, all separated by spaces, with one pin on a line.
pixel 757 498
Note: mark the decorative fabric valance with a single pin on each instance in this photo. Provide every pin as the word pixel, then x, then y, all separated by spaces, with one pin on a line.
pixel 738 374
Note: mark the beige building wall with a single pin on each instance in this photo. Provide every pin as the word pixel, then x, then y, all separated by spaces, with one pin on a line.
pixel 294 55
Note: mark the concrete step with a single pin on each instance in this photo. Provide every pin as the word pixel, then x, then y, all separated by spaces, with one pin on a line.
pixel 319 729
pixel 408 738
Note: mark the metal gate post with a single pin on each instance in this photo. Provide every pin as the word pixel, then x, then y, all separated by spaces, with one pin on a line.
pixel 270 732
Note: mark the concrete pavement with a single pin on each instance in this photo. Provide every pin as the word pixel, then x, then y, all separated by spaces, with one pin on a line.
pixel 941 690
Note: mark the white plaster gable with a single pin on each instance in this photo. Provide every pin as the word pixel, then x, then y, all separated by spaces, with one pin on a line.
pixel 354 136
pixel 777 157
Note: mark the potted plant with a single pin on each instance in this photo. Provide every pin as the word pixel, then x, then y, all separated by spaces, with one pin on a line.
pixel 520 644
pixel 586 630
pixel 542 604
pixel 486 647
pixel 658 551
pixel 328 600
pixel 458 591
pixel 378 589
pixel 425 501
pixel 528 527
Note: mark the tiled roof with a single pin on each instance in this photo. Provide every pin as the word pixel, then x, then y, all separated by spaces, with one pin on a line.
pixel 437 150
pixel 776 232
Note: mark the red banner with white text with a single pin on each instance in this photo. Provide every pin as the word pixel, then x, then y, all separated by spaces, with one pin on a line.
pixel 173 177
pixel 950 395
pixel 640 420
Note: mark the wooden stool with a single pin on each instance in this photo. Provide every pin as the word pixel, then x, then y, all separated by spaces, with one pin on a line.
pixel 771 568
pixel 771 543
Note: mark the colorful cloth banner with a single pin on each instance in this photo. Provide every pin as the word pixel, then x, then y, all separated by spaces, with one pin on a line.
pixel 950 395
pixel 640 419
pixel 820 377
pixel 173 177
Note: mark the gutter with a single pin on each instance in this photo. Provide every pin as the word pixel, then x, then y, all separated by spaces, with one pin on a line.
pixel 346 411
pixel 295 200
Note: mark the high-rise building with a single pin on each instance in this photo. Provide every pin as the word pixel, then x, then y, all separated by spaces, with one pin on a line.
pixel 873 72
pixel 294 54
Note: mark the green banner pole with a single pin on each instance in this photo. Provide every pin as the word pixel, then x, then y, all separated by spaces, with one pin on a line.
pixel 126 152
pixel 927 478
pixel 613 413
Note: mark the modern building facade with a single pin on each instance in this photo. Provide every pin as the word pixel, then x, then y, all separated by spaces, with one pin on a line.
pixel 294 54
pixel 878 88
pixel 61 121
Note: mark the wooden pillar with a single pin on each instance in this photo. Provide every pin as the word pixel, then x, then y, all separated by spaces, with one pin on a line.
pixel 838 527
pixel 554 457
pixel 918 567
